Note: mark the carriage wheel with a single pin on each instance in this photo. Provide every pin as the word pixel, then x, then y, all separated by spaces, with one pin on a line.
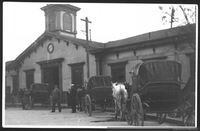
pixel 161 117
pixel 88 105
pixel 137 110
pixel 189 111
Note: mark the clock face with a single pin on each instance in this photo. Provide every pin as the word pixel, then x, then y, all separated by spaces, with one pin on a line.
pixel 50 48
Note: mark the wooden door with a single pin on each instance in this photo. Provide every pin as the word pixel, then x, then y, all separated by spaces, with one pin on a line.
pixel 118 75
pixel 77 76
pixel 47 78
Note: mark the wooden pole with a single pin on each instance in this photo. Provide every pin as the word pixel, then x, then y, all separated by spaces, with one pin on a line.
pixel 87 45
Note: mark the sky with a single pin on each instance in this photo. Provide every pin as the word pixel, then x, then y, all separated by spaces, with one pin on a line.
pixel 24 22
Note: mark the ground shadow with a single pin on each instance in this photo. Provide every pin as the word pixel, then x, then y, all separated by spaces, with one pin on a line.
pixel 112 119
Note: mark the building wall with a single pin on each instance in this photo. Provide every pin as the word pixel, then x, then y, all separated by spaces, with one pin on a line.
pixel 73 54
pixel 148 53
pixel 69 52
pixel 8 80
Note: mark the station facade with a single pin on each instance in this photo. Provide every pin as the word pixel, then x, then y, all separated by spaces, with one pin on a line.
pixel 57 57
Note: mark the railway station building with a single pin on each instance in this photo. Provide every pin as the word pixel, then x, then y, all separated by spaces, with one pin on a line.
pixel 58 57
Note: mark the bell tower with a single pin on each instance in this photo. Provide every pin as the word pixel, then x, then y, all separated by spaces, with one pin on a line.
pixel 61 18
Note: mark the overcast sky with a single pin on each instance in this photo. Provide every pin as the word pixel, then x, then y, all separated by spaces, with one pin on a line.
pixel 24 22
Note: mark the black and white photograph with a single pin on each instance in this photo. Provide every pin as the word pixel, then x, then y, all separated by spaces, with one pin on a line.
pixel 99 65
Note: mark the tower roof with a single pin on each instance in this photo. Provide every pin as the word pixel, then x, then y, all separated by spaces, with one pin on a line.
pixel 60 5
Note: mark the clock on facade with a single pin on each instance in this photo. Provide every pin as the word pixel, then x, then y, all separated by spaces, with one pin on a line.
pixel 50 48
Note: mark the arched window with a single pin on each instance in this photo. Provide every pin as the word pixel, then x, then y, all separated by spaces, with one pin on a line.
pixel 67 22
pixel 52 22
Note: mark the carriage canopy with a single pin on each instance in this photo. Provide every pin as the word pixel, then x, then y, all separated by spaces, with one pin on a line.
pixel 158 70
pixel 98 81
pixel 40 92
pixel 39 87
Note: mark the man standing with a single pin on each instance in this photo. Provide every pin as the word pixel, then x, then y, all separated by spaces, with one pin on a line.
pixel 73 98
pixel 56 98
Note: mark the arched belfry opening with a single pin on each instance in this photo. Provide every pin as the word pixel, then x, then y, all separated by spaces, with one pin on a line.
pixel 61 18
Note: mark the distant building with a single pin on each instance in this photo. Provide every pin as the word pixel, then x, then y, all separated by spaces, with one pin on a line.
pixel 57 57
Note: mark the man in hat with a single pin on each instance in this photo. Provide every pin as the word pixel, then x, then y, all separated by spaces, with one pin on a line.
pixel 56 98
pixel 73 98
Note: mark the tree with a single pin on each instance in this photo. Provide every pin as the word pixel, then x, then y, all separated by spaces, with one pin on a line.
pixel 179 15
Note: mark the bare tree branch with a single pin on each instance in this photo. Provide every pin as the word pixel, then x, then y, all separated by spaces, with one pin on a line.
pixel 184 14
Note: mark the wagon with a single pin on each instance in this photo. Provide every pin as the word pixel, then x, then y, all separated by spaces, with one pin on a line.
pixel 98 90
pixel 157 89
pixel 38 93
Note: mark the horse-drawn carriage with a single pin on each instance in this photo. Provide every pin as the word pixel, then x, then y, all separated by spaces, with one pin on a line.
pixel 38 93
pixel 156 88
pixel 98 90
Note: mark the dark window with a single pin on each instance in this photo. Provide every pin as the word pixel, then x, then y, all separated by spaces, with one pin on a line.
pixel 29 77
pixel 77 74
pixel 8 93
pixel 77 78
pixel 52 22
pixel 118 72
pixel 51 76
pixel 67 22
pixel 15 80
pixel 192 63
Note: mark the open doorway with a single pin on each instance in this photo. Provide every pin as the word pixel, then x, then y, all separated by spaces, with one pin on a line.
pixel 51 73
pixel 51 76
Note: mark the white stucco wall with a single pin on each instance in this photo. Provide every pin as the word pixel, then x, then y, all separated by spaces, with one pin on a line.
pixel 164 50
pixel 61 50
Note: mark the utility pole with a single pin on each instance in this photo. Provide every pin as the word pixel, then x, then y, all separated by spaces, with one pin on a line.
pixel 172 16
pixel 90 35
pixel 87 46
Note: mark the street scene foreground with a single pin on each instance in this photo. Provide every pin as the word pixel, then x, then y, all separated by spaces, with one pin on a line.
pixel 42 117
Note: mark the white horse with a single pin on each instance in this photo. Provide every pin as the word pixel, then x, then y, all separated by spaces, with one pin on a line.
pixel 120 96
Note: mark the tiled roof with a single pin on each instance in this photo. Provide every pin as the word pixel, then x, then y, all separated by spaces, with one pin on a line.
pixel 63 5
pixel 81 42
pixel 149 36
pixel 8 63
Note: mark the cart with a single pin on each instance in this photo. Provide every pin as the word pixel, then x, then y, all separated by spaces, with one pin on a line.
pixel 98 90
pixel 157 89
pixel 38 93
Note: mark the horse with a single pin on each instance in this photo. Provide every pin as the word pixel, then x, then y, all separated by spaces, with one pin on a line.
pixel 120 96
pixel 128 88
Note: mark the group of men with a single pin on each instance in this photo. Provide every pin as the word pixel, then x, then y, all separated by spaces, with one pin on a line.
pixel 56 99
